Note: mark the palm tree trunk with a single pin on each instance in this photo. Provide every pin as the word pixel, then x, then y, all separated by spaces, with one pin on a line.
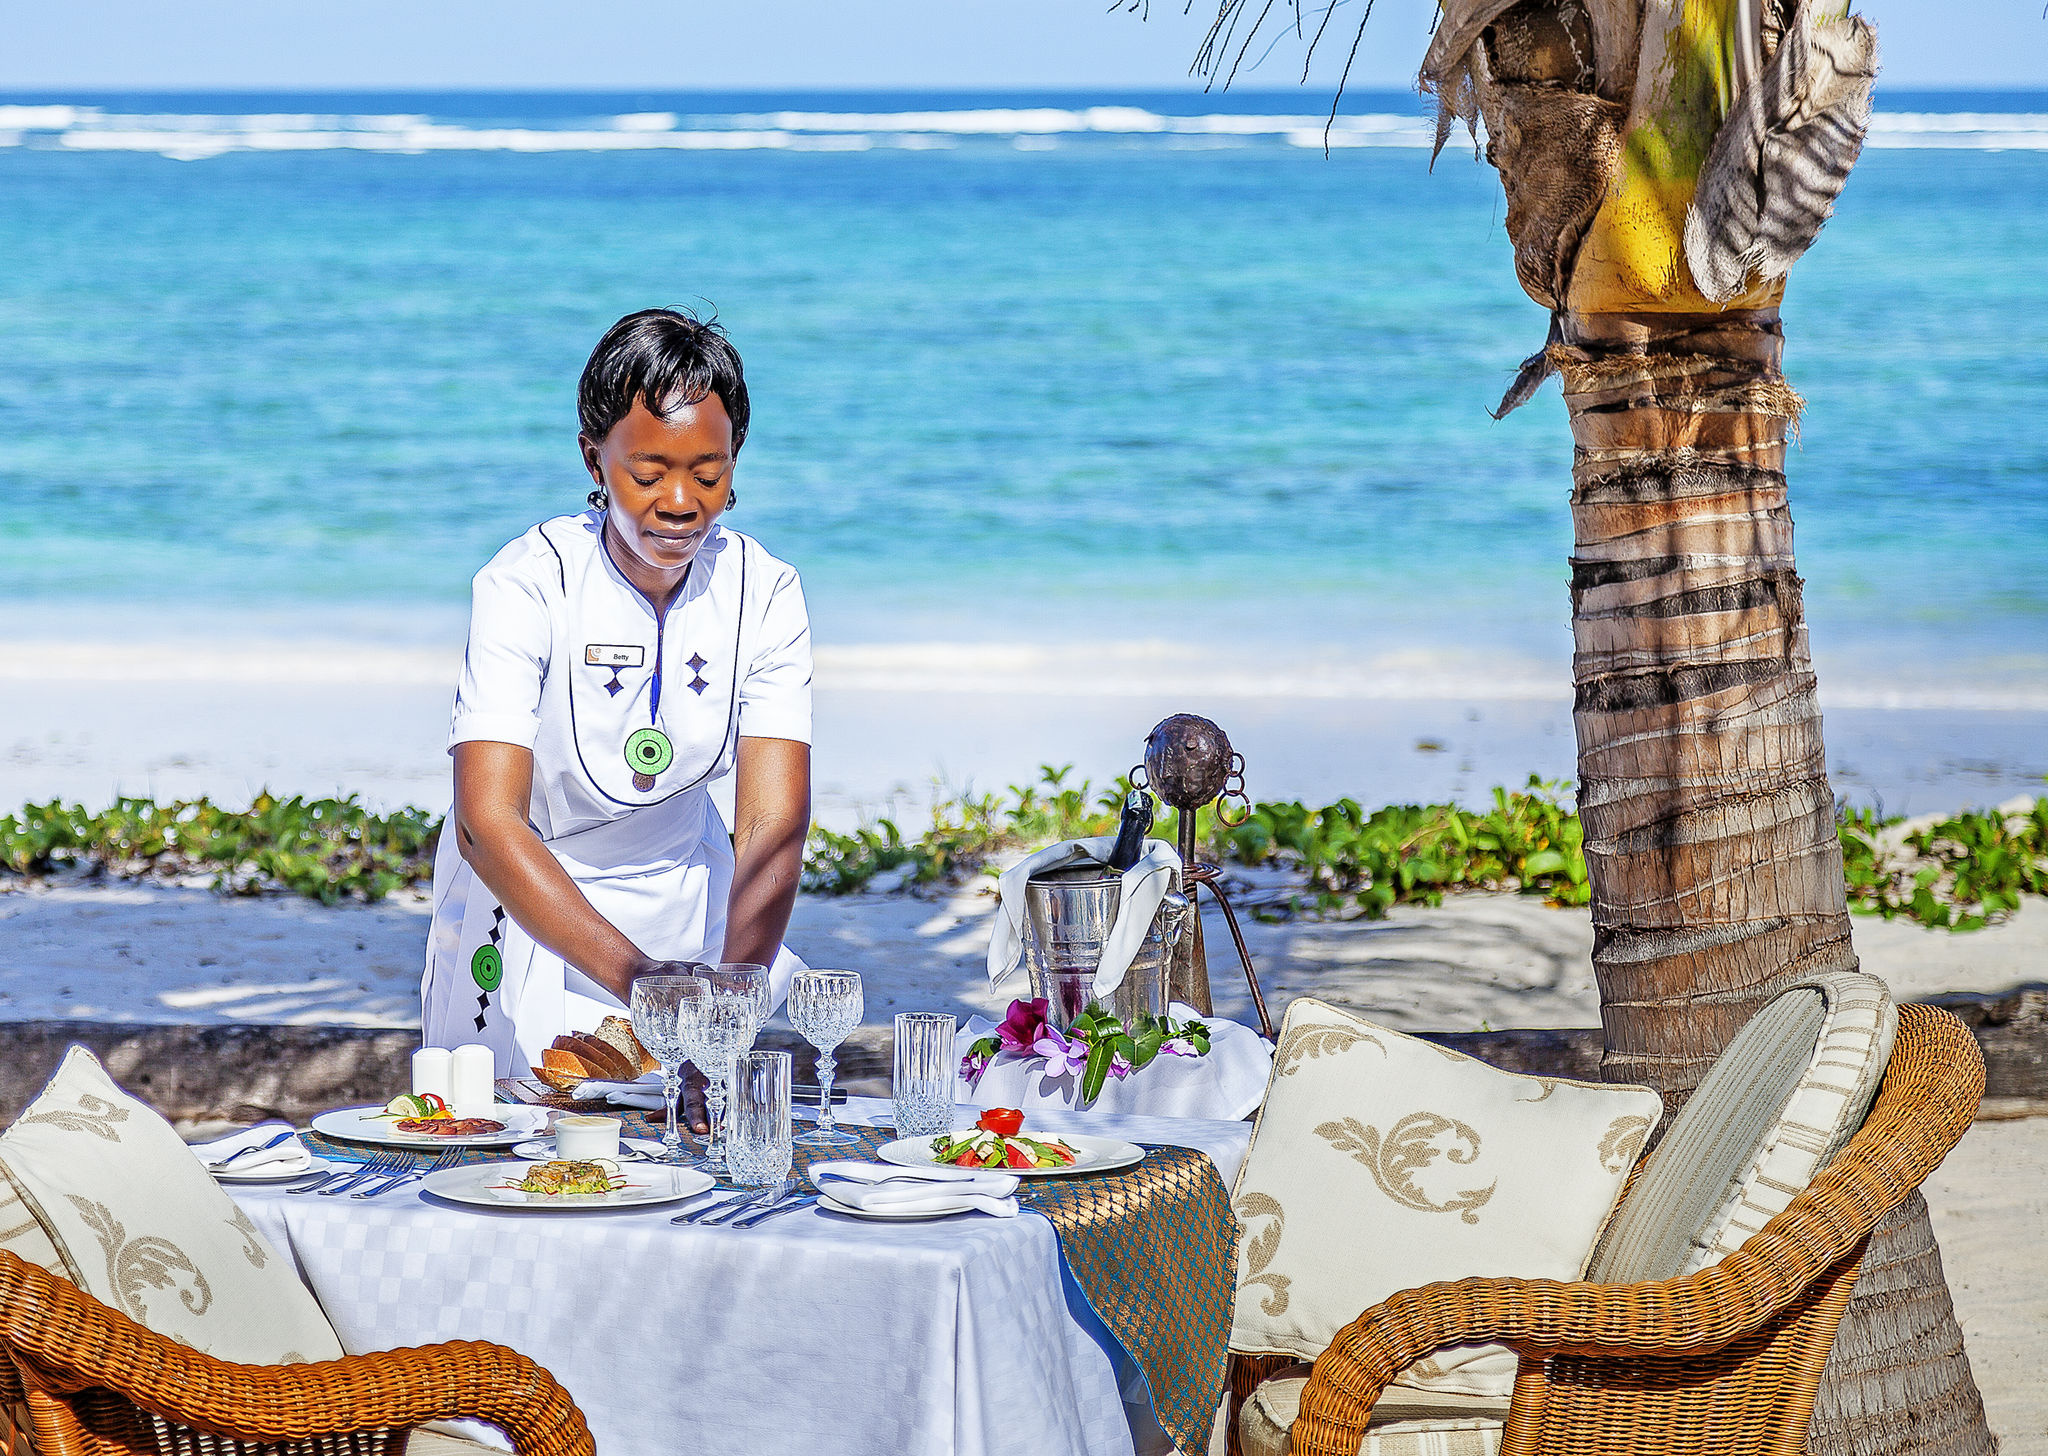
pixel 1710 829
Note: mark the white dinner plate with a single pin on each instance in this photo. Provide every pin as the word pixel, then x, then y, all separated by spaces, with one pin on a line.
pixel 275 1173
pixel 889 1215
pixel 363 1125
pixel 646 1183
pixel 1091 1155
pixel 631 1150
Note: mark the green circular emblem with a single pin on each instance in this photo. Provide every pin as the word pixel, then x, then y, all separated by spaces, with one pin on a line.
pixel 649 752
pixel 487 967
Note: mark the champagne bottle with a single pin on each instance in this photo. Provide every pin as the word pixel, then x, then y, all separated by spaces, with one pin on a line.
pixel 1130 833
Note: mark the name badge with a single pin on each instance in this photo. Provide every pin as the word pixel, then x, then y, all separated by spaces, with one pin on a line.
pixel 599 654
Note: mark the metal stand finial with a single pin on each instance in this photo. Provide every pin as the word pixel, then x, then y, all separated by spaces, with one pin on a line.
pixel 1189 763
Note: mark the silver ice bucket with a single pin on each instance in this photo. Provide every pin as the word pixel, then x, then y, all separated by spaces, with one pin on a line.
pixel 1068 913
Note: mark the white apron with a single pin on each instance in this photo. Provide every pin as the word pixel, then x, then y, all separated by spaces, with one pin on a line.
pixel 568 659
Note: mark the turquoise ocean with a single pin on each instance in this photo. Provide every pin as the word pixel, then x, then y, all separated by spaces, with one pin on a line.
pixel 1026 369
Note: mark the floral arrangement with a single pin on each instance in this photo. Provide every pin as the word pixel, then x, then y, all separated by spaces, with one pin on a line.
pixel 1098 1045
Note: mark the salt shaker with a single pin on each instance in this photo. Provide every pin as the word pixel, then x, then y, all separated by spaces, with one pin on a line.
pixel 472 1081
pixel 432 1071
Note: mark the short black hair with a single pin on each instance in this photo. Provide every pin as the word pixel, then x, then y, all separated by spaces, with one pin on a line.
pixel 668 357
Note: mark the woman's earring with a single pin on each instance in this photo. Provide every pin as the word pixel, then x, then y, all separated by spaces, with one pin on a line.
pixel 732 498
pixel 598 499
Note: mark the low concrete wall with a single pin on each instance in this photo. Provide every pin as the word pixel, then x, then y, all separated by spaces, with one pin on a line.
pixel 244 1073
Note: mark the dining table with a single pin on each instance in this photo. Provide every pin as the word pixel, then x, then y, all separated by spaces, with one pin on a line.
pixel 967 1335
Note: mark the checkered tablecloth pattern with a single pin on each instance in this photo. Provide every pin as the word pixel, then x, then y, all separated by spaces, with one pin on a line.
pixel 1152 1248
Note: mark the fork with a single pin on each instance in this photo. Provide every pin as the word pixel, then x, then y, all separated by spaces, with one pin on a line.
pixel 286 1136
pixel 448 1159
pixel 380 1166
pixel 773 1193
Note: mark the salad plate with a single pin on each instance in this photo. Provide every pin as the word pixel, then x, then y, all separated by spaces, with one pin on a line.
pixel 376 1125
pixel 489 1185
pixel 1091 1154
pixel 274 1172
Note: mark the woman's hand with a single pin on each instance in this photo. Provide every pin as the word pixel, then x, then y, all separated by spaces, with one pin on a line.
pixel 695 1117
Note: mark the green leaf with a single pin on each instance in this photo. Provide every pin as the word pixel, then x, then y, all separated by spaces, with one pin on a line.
pixel 1096 1072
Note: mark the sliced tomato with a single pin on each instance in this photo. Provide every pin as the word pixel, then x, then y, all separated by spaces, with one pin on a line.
pixel 1002 1121
pixel 1016 1156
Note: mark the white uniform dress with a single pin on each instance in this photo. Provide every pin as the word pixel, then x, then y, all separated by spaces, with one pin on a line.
pixel 568 659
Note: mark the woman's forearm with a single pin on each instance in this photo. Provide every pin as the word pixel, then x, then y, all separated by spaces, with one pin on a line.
pixel 549 906
pixel 489 819
pixel 769 864
pixel 772 815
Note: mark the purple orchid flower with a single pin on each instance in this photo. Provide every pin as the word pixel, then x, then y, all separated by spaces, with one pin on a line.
pixel 974 1064
pixel 1064 1055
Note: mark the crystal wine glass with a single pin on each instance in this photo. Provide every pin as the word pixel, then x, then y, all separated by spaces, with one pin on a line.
pixel 731 1021
pixel 824 1006
pixel 664 1009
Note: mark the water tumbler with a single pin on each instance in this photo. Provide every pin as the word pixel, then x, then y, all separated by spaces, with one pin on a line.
pixel 926 1068
pixel 759 1147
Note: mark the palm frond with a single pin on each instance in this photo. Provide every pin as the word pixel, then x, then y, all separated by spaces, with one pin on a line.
pixel 1781 157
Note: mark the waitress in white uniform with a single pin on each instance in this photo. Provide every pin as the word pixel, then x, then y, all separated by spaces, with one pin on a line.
pixel 619 662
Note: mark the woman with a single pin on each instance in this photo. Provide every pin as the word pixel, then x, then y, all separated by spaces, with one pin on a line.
pixel 619 662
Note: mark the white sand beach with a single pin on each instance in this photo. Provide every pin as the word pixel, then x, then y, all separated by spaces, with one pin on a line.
pixel 233 716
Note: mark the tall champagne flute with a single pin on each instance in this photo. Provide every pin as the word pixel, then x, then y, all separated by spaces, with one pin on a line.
pixel 824 1006
pixel 664 1010
pixel 738 1006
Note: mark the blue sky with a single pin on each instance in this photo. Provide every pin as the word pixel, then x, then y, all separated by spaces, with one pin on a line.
pixel 719 44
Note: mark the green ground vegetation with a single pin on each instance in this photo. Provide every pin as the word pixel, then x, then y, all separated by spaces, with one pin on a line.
pixel 1959 873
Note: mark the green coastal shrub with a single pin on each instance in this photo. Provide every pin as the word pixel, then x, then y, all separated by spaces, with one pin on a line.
pixel 325 849
pixel 1960 873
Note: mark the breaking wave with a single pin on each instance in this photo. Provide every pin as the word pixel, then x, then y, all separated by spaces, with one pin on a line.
pixel 199 135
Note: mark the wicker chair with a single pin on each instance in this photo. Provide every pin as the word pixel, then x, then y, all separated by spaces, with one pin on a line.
pixel 1726 1360
pixel 81 1379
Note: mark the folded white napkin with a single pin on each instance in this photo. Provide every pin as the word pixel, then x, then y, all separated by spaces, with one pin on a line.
pixel 1145 885
pixel 289 1156
pixel 884 1188
pixel 643 1092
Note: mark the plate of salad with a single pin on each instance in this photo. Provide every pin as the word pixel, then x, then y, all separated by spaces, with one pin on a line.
pixel 1000 1142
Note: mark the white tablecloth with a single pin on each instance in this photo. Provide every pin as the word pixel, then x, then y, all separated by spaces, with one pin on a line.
pixel 1227 1084
pixel 812 1332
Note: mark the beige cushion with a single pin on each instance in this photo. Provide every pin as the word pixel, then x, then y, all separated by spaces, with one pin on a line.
pixel 1403 1423
pixel 1381 1162
pixel 22 1235
pixel 139 1225
pixel 1787 1095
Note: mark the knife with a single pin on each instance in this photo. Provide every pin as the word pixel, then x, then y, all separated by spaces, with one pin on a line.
pixel 787 1205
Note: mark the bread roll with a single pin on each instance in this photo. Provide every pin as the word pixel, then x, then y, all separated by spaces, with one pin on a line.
pixel 617 1031
pixel 564 1069
pixel 600 1053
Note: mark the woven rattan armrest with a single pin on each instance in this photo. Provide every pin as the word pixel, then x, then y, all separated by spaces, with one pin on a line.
pixel 64 1341
pixel 1927 1101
